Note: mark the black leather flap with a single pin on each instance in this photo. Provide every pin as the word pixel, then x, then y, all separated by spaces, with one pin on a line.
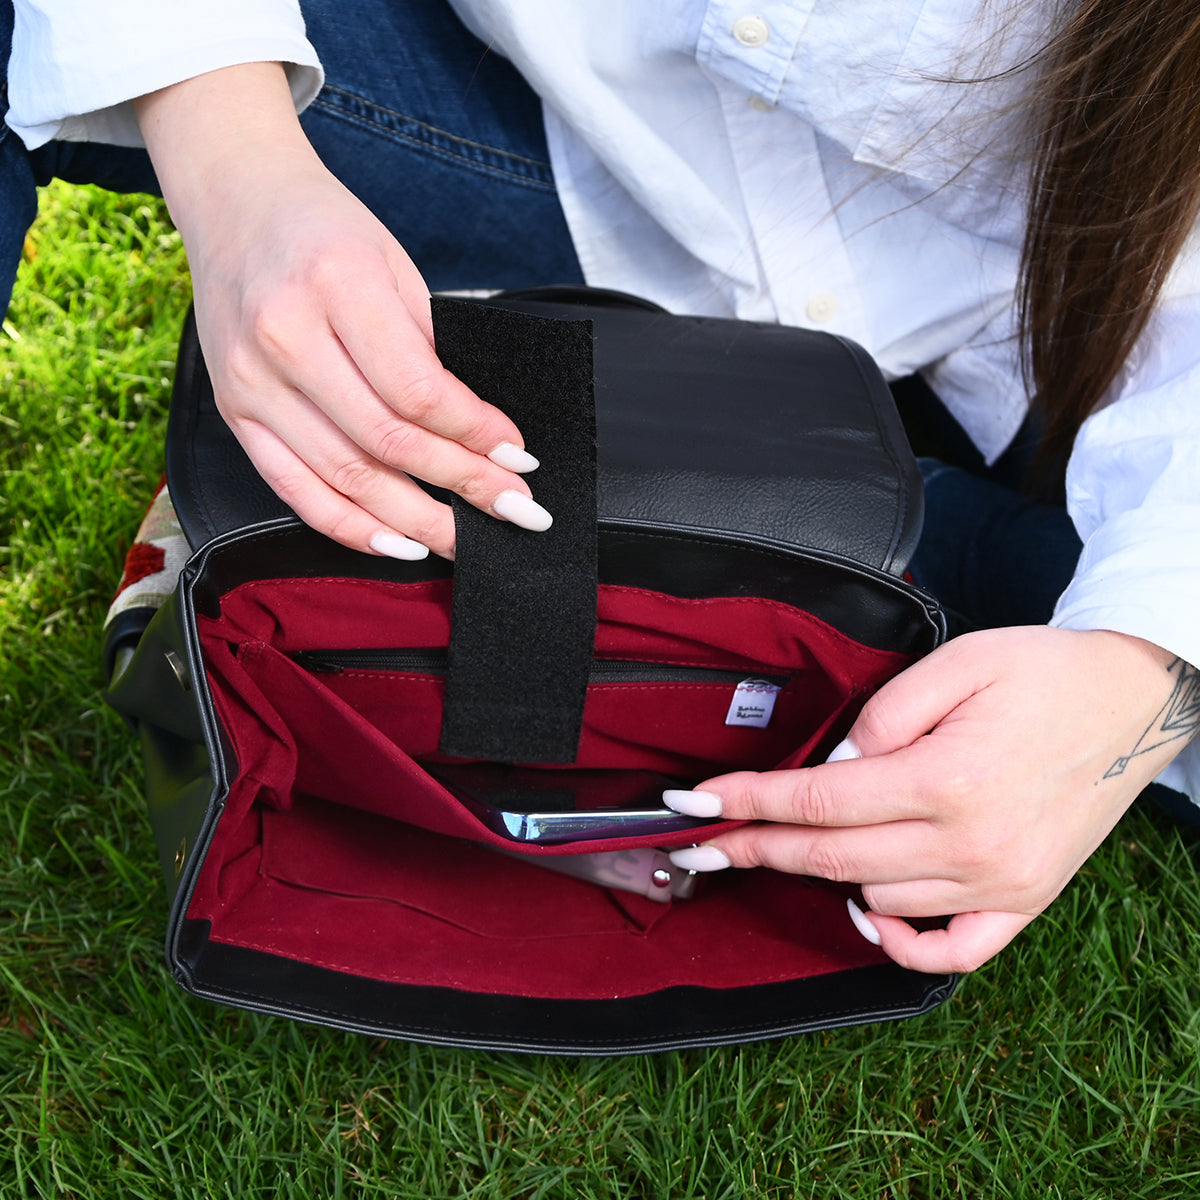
pixel 758 430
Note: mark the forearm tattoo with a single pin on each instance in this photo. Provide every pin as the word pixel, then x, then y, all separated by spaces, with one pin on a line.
pixel 1176 721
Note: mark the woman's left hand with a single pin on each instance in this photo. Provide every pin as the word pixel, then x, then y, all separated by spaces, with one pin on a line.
pixel 989 772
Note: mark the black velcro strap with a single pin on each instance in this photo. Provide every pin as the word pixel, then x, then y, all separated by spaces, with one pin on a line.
pixel 524 613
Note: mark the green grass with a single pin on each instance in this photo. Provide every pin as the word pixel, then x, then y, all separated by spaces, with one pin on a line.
pixel 1066 1068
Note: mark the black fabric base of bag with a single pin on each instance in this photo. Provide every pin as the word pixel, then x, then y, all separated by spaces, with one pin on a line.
pixel 826 525
pixel 673 1019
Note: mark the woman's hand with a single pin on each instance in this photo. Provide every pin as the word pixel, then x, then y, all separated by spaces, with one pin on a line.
pixel 316 329
pixel 989 772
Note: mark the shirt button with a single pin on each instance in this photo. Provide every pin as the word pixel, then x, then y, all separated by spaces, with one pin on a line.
pixel 760 105
pixel 751 31
pixel 822 306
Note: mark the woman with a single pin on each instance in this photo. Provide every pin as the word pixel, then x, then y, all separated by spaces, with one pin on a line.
pixel 958 185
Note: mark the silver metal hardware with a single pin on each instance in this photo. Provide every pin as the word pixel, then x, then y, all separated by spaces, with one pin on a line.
pixel 179 667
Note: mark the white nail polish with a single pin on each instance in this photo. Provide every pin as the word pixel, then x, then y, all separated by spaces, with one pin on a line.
pixel 843 750
pixel 693 804
pixel 394 545
pixel 861 923
pixel 513 458
pixel 700 858
pixel 521 510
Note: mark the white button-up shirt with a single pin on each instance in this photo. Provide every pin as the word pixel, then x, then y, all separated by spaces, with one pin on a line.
pixel 814 162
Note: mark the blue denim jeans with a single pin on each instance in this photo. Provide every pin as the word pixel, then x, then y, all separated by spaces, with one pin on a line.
pixel 991 555
pixel 438 136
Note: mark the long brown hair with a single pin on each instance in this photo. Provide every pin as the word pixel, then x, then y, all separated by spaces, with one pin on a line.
pixel 1115 192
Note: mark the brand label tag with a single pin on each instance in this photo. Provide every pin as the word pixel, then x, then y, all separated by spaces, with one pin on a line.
pixel 753 703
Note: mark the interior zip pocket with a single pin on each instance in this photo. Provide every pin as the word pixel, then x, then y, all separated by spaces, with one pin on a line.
pixel 434 661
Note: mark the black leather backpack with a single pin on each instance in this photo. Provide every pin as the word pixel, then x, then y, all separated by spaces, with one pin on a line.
pixel 329 736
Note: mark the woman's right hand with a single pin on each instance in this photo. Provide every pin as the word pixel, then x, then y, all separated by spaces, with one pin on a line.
pixel 316 329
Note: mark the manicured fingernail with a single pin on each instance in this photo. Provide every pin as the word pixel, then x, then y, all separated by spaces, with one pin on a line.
pixel 862 924
pixel 394 545
pixel 843 750
pixel 521 510
pixel 513 458
pixel 693 804
pixel 700 858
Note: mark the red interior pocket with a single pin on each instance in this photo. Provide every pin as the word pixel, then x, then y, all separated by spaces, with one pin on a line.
pixel 337 848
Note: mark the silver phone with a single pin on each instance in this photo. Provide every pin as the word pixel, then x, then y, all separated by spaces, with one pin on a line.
pixel 544 807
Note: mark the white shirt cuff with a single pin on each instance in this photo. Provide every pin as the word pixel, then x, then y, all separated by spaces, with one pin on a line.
pixel 74 68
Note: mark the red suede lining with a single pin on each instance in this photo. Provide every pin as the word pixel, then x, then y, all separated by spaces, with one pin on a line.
pixel 393 892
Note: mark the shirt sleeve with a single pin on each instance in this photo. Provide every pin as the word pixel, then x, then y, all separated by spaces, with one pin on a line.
pixel 1133 491
pixel 76 65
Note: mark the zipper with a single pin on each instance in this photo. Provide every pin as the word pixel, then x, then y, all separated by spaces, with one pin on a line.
pixel 433 661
